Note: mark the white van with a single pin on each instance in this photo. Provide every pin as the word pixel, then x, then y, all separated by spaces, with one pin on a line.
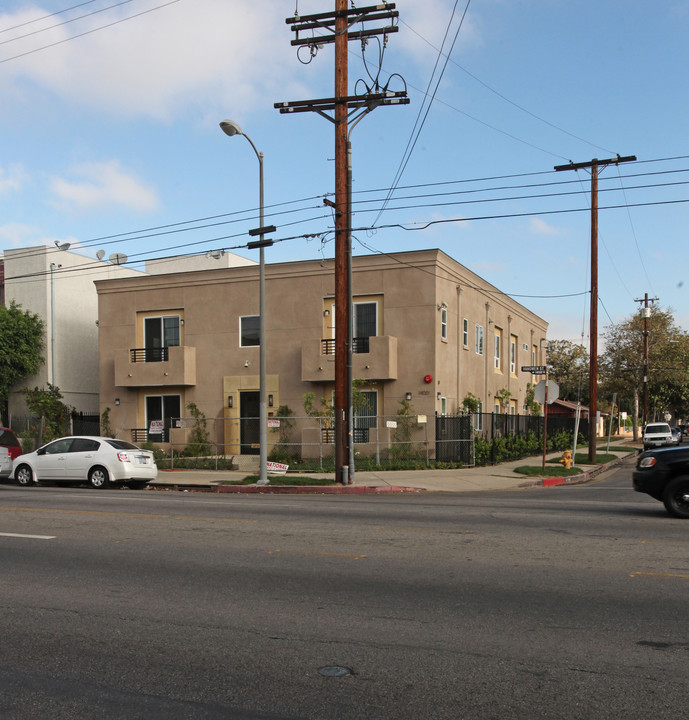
pixel 657 435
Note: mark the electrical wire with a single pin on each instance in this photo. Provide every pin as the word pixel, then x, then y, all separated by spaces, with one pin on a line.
pixel 88 32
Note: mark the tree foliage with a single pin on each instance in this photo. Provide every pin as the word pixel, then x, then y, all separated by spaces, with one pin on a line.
pixel 54 414
pixel 569 368
pixel 621 367
pixel 21 345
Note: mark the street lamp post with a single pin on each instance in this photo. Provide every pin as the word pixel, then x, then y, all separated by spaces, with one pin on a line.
pixel 229 127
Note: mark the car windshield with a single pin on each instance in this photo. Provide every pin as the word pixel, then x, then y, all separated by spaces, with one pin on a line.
pixel 658 428
pixel 121 444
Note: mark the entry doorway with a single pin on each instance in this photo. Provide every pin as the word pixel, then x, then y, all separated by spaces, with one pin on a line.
pixel 249 422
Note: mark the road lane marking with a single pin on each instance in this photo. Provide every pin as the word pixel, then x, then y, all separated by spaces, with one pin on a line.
pixel 650 574
pixel 30 537
pixel 130 515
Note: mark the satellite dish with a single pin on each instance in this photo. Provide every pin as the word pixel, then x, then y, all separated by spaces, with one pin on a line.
pixel 100 254
pixel 118 258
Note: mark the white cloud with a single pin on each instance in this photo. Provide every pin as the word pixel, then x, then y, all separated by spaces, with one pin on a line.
pixel 423 26
pixel 203 53
pixel 16 234
pixel 540 227
pixel 102 185
pixel 11 178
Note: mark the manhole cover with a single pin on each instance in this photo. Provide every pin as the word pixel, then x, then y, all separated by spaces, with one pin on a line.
pixel 334 671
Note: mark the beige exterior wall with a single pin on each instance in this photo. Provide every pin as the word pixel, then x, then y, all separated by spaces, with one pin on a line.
pixel 409 354
pixel 31 283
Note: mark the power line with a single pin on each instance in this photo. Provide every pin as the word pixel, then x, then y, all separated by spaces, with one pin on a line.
pixel 88 32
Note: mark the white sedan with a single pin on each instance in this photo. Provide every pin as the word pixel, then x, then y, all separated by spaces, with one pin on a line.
pixel 97 460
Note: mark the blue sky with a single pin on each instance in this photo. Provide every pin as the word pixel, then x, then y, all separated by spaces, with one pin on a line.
pixel 109 138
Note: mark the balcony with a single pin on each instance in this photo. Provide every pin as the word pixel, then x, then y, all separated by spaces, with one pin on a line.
pixel 373 358
pixel 155 367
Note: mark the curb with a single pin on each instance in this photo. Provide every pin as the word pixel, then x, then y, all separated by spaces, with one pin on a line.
pixel 574 479
pixel 315 489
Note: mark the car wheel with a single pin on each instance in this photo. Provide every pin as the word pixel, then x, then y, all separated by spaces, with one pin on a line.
pixel 137 484
pixel 99 478
pixel 24 475
pixel 676 497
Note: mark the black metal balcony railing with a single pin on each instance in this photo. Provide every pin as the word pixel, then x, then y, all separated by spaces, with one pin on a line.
pixel 359 346
pixel 138 355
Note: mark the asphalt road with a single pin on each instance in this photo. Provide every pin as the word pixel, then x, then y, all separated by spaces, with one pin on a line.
pixel 567 602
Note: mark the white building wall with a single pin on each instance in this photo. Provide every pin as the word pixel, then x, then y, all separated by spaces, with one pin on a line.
pixel 71 339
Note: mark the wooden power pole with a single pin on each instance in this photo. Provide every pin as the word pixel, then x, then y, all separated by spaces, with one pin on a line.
pixel 343 107
pixel 593 339
pixel 646 312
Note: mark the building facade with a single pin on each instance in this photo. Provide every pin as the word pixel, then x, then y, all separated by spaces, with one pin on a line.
pixel 57 285
pixel 426 330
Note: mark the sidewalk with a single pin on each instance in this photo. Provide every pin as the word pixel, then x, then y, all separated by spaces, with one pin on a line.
pixel 492 477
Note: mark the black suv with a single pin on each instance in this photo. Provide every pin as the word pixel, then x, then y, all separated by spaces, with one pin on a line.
pixel 663 474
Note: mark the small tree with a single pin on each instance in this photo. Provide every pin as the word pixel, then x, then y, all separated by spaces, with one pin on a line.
pixel 503 397
pixel 532 406
pixel 471 403
pixel 200 443
pixel 21 345
pixel 53 412
pixel 105 428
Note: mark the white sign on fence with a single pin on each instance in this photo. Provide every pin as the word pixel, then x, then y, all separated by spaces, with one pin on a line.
pixel 156 427
pixel 273 423
pixel 391 423
pixel 275 468
pixel 421 419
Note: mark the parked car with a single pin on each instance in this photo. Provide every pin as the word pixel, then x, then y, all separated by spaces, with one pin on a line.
pixel 98 460
pixel 663 474
pixel 5 463
pixel 676 435
pixel 9 440
pixel 657 435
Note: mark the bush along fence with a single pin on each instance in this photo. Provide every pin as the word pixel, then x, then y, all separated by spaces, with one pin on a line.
pixel 380 442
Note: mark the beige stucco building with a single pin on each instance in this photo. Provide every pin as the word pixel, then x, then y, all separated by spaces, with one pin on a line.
pixel 426 329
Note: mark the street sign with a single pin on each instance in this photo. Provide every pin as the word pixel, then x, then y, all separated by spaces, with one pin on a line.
pixel 553 392
pixel 534 369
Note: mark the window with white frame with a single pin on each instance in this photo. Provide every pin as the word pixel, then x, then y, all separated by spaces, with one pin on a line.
pixel 443 324
pixel 479 339
pixel 465 333
pixel 443 406
pixel 478 417
pixel 497 349
pixel 513 355
pixel 249 331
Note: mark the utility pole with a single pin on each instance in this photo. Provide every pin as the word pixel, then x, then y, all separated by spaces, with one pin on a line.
pixel 646 314
pixel 593 333
pixel 344 107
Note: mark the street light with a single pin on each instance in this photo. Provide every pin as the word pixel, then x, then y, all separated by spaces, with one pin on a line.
pixel 229 127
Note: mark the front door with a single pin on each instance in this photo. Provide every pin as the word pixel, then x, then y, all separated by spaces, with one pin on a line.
pixel 249 424
pixel 161 410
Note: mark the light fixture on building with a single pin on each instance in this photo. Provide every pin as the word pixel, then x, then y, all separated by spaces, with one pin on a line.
pixel 407 396
pixel 117 401
pixel 439 396
pixel 326 313
pixel 270 401
pixel 229 401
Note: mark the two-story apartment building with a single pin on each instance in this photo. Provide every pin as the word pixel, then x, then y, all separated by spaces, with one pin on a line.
pixel 426 329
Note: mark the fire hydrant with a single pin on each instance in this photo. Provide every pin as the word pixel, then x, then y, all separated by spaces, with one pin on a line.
pixel 566 459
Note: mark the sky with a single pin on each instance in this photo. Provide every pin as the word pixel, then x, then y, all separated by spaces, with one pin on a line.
pixel 110 139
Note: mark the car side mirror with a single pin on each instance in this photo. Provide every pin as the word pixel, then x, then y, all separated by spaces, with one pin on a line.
pixel 40 452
